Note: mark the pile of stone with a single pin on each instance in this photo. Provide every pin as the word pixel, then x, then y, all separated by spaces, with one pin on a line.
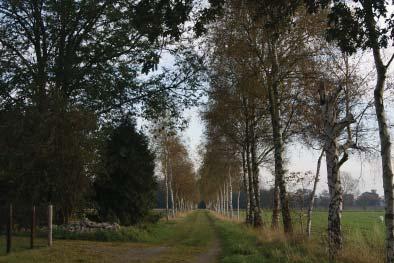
pixel 85 225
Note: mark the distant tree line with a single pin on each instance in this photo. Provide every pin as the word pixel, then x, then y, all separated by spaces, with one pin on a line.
pixel 299 200
pixel 367 200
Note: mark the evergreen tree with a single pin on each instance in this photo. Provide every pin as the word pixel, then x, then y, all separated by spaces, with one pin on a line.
pixel 125 190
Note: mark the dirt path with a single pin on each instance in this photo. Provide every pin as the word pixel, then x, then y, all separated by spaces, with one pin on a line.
pixel 186 237
pixel 131 254
pixel 212 255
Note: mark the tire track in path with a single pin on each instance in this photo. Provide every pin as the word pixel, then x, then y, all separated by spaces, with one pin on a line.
pixel 213 253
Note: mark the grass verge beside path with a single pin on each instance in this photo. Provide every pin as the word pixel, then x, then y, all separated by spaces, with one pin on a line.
pixel 247 245
pixel 243 244
pixel 180 240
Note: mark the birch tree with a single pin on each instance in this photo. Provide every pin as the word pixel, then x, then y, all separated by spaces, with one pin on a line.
pixel 218 173
pixel 236 110
pixel 312 195
pixel 275 48
pixel 162 131
pixel 356 25
pixel 261 40
pixel 337 127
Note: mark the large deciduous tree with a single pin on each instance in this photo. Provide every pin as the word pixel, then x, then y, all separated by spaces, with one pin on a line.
pixel 66 66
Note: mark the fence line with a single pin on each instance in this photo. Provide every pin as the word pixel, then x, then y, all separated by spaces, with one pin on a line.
pixel 13 216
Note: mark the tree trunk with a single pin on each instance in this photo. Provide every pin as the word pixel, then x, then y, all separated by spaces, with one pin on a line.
pixel 166 185
pixel 228 198
pixel 167 173
pixel 385 152
pixel 170 182
pixel 384 133
pixel 276 206
pixel 335 241
pixel 312 197
pixel 221 202
pixel 176 207
pixel 256 187
pixel 279 149
pixel 250 186
pixel 172 199
pixel 239 194
pixel 231 197
pixel 274 103
pixel 225 199
pixel 246 187
pixel 218 203
pixel 331 132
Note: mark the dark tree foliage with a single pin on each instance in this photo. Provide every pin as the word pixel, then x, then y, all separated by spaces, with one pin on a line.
pixel 275 12
pixel 125 190
pixel 348 23
pixel 35 169
pixel 67 66
pixel 85 52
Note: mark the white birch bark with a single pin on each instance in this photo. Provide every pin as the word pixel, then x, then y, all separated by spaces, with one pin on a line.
pixel 384 133
pixel 332 129
pixel 312 197
pixel 166 185
pixel 172 198
pixel 170 182
pixel 246 187
pixel 273 95
pixel 217 203
pixel 230 194
pixel 239 194
pixel 225 199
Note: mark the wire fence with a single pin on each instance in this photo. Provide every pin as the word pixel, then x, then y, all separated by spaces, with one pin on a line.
pixel 21 222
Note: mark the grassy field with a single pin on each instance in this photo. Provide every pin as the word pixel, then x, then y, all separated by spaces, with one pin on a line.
pixel 191 238
pixel 356 225
pixel 359 227
pixel 363 233
pixel 350 220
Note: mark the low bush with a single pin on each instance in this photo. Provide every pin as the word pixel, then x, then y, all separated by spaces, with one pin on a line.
pixel 127 234
pixel 153 217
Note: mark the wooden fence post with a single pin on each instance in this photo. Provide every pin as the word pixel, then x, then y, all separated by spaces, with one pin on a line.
pixel 50 214
pixel 9 230
pixel 33 226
